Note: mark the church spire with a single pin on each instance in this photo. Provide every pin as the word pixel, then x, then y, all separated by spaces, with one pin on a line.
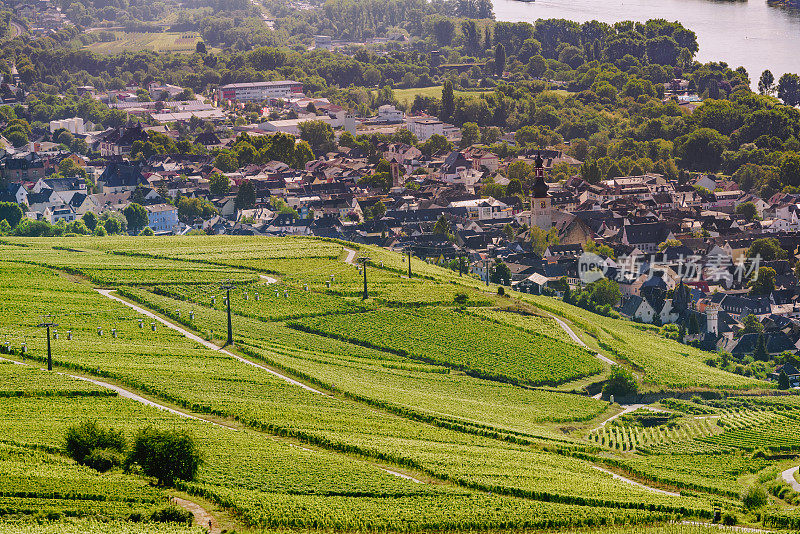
pixel 540 187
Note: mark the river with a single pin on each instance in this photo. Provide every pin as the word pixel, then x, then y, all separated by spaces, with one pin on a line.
pixel 745 33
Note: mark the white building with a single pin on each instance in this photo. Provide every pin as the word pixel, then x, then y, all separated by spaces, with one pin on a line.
pixel 484 209
pixel 425 127
pixel 259 91
pixel 389 113
pixel 291 126
pixel 162 217
pixel 74 125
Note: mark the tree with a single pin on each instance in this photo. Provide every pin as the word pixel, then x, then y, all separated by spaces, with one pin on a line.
pixel 702 149
pixel 747 210
pixel 760 352
pixel 783 380
pixel 789 89
pixel 137 217
pixel 319 135
pixel 436 143
pixel 694 325
pixel 499 59
pixel 246 196
pixel 751 325
pixel 90 220
pixel 219 185
pixel 11 213
pixel 166 455
pixel 514 187
pixel 302 155
pixel 669 243
pixel 226 161
pixel 470 134
pixel 766 84
pixel 147 232
pixel 444 30
pixel 620 383
pixel 604 292
pixel 200 48
pixel 442 226
pixel 378 209
pixel 448 101
pixel 501 274
pixel 768 249
pixel 537 66
pixel 763 283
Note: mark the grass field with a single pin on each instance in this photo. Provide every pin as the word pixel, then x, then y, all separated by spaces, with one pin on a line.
pixel 432 377
pixel 406 96
pixel 157 42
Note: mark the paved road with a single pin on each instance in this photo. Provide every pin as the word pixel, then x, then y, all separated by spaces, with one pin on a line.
pixel 637 484
pixel 351 254
pixel 578 340
pixel 268 279
pixel 788 477
pixel 207 344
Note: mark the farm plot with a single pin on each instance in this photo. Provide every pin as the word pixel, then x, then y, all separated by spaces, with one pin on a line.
pixel 648 438
pixel 451 338
pixel 545 326
pixel 170 367
pixel 94 526
pixel 112 270
pixel 449 514
pixel 388 379
pixel 663 361
pixel 712 473
pixel 273 302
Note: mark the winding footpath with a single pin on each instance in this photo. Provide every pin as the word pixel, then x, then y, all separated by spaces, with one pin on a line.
pixel 203 342
pixel 351 254
pixel 637 484
pixel 201 516
pixel 578 340
pixel 788 477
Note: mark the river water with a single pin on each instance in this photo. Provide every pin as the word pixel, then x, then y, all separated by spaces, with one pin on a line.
pixel 745 33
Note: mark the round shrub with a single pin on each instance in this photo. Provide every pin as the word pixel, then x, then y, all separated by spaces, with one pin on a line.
pixel 104 459
pixel 755 497
pixel 172 514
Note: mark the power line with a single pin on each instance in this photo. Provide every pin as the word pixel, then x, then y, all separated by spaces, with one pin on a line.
pixel 48 325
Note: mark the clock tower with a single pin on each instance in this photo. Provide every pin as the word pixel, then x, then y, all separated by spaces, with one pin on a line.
pixel 541 208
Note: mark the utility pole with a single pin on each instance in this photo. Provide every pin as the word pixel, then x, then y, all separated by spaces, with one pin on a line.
pixel 48 325
pixel 227 287
pixel 486 263
pixel 409 261
pixel 363 262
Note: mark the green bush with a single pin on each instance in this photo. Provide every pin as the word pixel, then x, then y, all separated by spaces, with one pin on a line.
pixel 172 514
pixel 83 439
pixel 104 459
pixel 621 382
pixel 755 497
pixel 730 519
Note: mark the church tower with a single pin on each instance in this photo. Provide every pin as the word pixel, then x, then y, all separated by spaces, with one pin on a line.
pixel 541 208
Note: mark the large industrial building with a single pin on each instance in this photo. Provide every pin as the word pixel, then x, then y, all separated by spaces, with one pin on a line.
pixel 259 91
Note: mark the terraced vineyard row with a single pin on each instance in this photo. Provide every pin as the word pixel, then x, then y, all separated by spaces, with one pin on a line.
pixel 450 338
pixel 631 437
